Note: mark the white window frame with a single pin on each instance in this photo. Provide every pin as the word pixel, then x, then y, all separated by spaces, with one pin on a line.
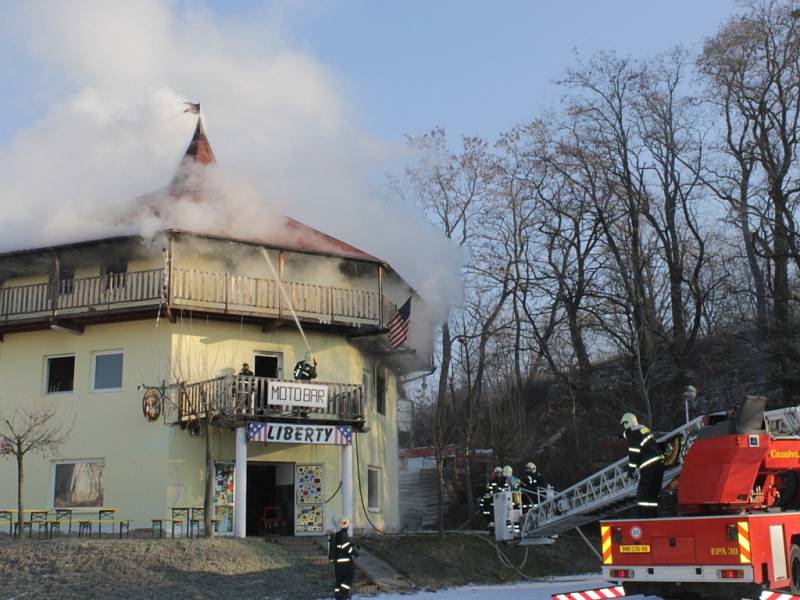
pixel 94 367
pixel 375 509
pixel 47 373
pixel 71 461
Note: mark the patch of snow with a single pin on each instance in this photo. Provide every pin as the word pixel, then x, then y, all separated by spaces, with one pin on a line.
pixel 532 590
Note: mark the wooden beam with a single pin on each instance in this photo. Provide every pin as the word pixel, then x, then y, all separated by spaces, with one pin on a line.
pixel 73 328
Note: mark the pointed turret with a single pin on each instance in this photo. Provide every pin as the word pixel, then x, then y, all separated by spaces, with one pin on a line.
pixel 199 152
pixel 199 149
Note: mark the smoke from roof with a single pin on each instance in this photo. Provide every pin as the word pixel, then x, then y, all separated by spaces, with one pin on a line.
pixel 110 80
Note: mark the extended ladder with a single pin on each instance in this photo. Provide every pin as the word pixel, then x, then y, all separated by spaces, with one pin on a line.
pixel 611 490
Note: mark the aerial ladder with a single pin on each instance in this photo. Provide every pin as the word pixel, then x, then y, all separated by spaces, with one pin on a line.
pixel 611 490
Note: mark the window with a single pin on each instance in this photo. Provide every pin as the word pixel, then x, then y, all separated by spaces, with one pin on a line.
pixel 374 489
pixel 107 371
pixel 78 483
pixel 66 280
pixel 115 273
pixel 59 374
pixel 380 390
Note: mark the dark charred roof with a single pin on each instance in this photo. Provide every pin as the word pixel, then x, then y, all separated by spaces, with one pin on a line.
pixel 292 235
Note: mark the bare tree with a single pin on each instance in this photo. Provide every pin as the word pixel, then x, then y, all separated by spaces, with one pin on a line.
pixel 754 60
pixel 449 188
pixel 28 429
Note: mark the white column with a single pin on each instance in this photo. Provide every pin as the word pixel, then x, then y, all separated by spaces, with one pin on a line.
pixel 240 485
pixel 347 484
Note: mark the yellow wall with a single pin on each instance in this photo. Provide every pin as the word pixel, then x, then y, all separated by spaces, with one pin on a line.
pixel 151 466
pixel 106 425
pixel 205 349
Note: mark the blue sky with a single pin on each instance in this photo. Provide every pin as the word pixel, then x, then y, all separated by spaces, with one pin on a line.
pixel 475 66
pixel 306 104
pixel 469 66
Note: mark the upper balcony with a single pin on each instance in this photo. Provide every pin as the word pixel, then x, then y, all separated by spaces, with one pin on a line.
pixel 88 299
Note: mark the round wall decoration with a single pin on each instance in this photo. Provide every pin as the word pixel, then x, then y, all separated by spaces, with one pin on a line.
pixel 151 405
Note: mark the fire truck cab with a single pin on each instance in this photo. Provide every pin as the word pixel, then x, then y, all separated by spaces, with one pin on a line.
pixel 736 531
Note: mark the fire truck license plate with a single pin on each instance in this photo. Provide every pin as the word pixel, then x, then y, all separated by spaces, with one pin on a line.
pixel 635 549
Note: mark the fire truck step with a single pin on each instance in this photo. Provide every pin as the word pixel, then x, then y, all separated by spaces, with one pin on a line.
pixel 777 596
pixel 596 594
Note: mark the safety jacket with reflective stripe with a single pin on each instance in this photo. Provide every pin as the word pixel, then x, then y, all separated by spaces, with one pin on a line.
pixel 643 450
pixel 343 550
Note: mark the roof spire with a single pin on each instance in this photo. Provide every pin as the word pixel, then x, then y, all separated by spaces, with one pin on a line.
pixel 199 148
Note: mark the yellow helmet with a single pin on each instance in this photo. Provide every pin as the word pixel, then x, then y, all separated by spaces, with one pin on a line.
pixel 343 522
pixel 531 467
pixel 507 471
pixel 498 470
pixel 628 420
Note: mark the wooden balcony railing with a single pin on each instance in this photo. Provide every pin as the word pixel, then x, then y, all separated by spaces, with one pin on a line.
pixel 82 294
pixel 237 398
pixel 197 290
pixel 238 293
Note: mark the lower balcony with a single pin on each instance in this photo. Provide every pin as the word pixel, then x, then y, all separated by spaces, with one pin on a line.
pixel 234 400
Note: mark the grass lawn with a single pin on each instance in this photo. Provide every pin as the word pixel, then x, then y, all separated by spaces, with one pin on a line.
pixel 72 569
pixel 431 561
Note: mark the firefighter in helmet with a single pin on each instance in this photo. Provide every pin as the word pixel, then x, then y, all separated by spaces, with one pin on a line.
pixel 645 456
pixel 532 481
pixel 487 501
pixel 306 369
pixel 341 552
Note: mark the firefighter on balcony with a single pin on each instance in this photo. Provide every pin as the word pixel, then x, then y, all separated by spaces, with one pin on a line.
pixel 487 501
pixel 341 552
pixel 532 482
pixel 244 388
pixel 644 455
pixel 306 369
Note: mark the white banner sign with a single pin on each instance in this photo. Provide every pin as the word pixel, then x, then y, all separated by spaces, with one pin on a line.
pixel 294 433
pixel 288 393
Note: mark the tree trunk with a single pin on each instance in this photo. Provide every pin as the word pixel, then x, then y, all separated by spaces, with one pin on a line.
pixel 441 400
pixel 208 498
pixel 20 482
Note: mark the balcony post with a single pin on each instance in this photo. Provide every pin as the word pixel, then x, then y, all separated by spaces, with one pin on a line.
pixel 240 484
pixel 347 483
pixel 380 296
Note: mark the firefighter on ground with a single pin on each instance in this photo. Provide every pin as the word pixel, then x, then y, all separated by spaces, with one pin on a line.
pixel 341 552
pixel 487 501
pixel 644 455
pixel 511 483
pixel 532 482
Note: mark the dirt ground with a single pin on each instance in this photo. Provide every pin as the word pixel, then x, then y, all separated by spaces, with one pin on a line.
pixel 73 569
pixel 435 562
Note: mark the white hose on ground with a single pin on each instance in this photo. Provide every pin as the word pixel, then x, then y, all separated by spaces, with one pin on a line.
pixel 286 297
pixel 504 560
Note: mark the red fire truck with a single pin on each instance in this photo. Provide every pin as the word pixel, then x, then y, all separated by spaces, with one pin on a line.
pixel 737 529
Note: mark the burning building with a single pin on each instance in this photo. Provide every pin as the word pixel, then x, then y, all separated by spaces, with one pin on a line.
pixel 140 341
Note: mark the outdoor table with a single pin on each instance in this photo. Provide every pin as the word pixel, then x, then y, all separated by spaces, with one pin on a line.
pixel 179 512
pixel 37 515
pixel 103 515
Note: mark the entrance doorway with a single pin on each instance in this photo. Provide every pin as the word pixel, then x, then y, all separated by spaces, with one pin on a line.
pixel 270 498
pixel 268 364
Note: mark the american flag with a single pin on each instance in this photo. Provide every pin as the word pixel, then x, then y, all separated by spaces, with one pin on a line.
pixel 257 432
pixel 398 326
pixel 343 436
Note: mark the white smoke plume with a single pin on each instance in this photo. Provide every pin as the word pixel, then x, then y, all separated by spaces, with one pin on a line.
pixel 285 134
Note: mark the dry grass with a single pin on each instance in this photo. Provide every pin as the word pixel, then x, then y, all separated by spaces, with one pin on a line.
pixel 72 569
pixel 457 559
